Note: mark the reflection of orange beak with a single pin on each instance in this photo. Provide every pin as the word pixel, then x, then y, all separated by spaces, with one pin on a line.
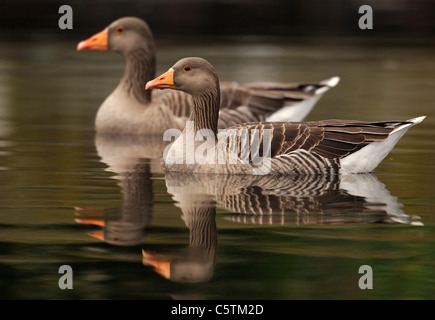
pixel 99 223
pixel 96 42
pixel 165 81
pixel 87 209
pixel 162 267
pixel 97 234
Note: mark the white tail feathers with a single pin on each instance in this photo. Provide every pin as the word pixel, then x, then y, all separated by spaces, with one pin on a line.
pixel 328 84
pixel 298 112
pixel 413 121
pixel 369 157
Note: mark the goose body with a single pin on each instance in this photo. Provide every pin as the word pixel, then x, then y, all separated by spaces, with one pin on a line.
pixel 131 110
pixel 282 148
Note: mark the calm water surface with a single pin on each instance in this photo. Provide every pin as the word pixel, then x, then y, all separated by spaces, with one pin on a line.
pixel 104 207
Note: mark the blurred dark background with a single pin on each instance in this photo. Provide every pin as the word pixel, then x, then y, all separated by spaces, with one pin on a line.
pixel 394 20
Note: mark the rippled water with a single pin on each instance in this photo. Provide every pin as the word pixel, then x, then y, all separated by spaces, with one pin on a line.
pixel 104 207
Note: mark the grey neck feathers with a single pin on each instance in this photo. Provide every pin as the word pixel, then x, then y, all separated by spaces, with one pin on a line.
pixel 206 110
pixel 140 68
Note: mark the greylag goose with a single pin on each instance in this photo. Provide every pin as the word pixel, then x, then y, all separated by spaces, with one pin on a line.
pixel 130 110
pixel 302 148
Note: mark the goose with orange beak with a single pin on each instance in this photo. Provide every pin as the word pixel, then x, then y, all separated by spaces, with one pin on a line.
pixel 291 148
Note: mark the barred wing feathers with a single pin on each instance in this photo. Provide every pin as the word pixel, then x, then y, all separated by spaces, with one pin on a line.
pixel 311 146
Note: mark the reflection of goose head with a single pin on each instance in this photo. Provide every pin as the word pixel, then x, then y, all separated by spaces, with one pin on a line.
pixel 195 263
pixel 124 225
pixel 126 156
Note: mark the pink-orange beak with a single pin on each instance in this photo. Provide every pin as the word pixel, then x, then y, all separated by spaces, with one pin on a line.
pixel 164 81
pixel 96 42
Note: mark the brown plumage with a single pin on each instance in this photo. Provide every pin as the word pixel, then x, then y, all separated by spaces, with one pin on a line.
pixel 328 138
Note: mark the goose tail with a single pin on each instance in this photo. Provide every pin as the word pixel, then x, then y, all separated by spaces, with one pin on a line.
pixel 328 84
pixel 368 158
pixel 299 111
pixel 410 123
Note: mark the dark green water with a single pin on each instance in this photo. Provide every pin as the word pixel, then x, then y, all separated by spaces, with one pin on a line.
pixel 70 198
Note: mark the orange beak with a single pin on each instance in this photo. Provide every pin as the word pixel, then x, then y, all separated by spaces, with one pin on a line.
pixel 165 81
pixel 160 263
pixel 96 42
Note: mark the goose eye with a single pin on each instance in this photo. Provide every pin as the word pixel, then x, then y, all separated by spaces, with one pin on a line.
pixel 119 29
pixel 187 68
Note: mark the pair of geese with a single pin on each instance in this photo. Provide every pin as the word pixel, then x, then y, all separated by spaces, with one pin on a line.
pixel 231 118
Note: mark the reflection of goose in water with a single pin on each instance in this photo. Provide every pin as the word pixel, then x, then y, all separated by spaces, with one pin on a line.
pixel 131 158
pixel 196 262
pixel 360 198
pixel 354 198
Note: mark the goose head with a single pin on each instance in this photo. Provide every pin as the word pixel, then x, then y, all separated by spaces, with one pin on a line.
pixel 125 36
pixel 192 75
